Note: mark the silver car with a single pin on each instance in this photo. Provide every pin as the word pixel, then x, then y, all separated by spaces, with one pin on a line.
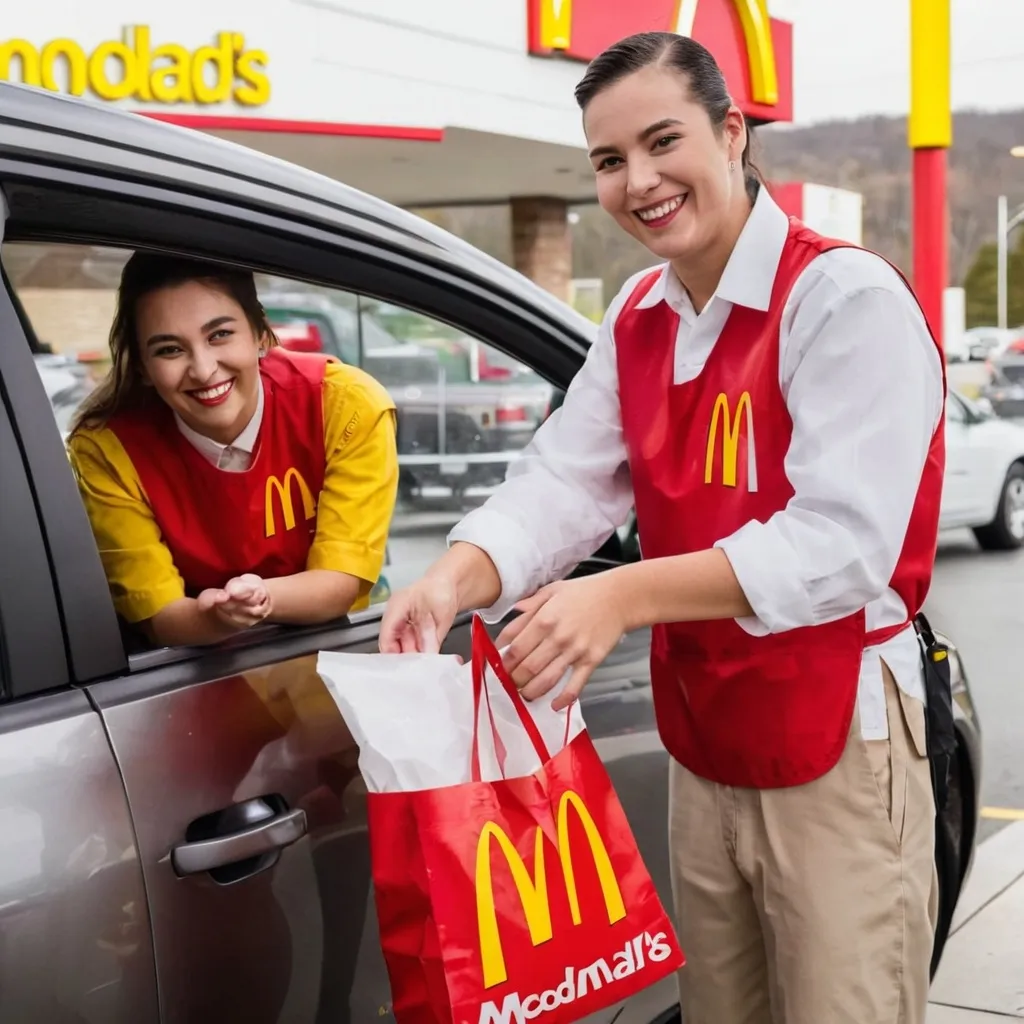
pixel 183 831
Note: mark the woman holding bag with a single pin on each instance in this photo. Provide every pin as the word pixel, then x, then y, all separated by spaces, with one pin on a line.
pixel 782 568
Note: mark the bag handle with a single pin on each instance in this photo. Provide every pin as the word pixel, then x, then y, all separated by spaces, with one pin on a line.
pixel 484 654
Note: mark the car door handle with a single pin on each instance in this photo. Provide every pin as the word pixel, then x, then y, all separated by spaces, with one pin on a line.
pixel 265 837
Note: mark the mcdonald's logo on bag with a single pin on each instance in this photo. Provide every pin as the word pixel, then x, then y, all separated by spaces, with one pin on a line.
pixel 533 890
pixel 731 424
pixel 284 492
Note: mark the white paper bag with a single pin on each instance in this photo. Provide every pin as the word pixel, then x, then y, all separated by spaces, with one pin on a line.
pixel 412 717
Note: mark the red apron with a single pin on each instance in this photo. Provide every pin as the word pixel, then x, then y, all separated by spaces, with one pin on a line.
pixel 219 524
pixel 741 710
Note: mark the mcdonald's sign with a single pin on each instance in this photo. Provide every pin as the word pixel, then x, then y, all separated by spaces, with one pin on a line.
pixel 731 425
pixel 754 50
pixel 533 889
pixel 284 492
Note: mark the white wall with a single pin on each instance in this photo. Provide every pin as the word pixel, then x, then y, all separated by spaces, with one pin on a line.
pixel 436 64
pixel 834 212
pixel 447 63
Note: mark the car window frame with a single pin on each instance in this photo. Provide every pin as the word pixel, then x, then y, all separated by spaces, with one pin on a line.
pixel 33 656
pixel 51 204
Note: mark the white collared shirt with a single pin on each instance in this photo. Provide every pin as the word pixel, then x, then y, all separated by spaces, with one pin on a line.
pixel 862 380
pixel 232 458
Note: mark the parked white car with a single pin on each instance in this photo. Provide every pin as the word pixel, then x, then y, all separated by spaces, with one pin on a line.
pixel 984 484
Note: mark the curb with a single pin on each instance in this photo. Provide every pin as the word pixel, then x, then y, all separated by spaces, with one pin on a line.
pixel 998 864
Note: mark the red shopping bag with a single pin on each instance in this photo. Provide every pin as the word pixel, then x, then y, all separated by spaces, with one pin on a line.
pixel 516 900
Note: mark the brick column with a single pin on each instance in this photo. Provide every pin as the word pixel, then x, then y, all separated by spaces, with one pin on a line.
pixel 541 242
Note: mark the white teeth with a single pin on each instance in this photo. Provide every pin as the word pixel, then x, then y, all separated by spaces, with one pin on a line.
pixel 661 211
pixel 220 389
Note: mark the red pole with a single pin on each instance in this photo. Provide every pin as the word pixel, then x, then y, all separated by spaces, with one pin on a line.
pixel 931 255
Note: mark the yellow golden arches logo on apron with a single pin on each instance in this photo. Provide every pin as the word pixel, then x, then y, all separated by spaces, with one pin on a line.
pixel 731 424
pixel 284 492
pixel 555 33
pixel 533 889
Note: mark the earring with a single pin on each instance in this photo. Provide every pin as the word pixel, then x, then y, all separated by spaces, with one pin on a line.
pixel 732 165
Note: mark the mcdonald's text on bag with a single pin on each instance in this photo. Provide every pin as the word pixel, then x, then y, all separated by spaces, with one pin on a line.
pixel 635 955
pixel 533 896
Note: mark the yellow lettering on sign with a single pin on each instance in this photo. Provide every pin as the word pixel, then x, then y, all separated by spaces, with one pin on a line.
pixel 284 492
pixel 730 441
pixel 133 68
pixel 555 24
pixel 757 39
pixel 555 32
pixel 26 55
pixel 76 66
pixel 757 33
pixel 532 889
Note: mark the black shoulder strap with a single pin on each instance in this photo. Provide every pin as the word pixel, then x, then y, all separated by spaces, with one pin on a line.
pixel 941 728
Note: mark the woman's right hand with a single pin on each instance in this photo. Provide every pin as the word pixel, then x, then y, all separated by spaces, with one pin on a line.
pixel 242 603
pixel 417 619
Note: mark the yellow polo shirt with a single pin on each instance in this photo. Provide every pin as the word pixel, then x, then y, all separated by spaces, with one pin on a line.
pixel 353 514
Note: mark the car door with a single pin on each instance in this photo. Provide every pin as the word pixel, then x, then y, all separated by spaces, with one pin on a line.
pixel 75 940
pixel 245 800
pixel 242 780
pixel 250 816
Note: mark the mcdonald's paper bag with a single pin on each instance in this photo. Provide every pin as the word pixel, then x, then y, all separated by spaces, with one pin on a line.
pixel 412 718
pixel 519 899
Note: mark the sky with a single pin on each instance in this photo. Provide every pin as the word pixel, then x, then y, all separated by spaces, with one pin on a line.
pixel 853 56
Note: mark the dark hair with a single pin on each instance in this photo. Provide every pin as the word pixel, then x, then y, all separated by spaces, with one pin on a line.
pixel 682 55
pixel 143 274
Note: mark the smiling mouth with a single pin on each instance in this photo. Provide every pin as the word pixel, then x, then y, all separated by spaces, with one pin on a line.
pixel 215 395
pixel 663 212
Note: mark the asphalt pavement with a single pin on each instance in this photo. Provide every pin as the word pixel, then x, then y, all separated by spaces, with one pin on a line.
pixel 977 599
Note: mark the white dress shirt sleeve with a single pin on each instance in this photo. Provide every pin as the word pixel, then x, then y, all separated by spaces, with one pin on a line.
pixel 568 491
pixel 862 380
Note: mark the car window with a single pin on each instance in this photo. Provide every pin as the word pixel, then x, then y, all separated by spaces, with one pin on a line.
pixel 465 409
pixel 68 294
pixel 470 412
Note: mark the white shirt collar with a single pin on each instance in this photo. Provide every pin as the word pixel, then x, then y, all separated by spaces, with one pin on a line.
pixel 750 273
pixel 214 450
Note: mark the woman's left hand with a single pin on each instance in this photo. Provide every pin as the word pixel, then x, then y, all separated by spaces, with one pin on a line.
pixel 572 624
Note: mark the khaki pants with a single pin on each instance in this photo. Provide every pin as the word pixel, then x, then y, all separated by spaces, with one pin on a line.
pixel 814 904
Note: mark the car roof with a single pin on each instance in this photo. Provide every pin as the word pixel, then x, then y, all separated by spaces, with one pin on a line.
pixel 65 131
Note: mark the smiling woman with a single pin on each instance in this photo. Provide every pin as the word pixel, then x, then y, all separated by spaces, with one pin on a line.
pixel 200 454
pixel 780 577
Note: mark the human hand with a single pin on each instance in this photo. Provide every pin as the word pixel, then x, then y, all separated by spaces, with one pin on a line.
pixel 572 624
pixel 243 602
pixel 417 619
